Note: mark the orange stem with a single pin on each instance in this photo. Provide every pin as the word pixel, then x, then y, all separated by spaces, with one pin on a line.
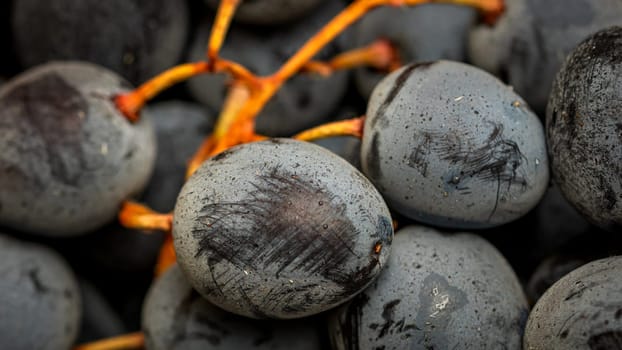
pixel 338 24
pixel 123 342
pixel 348 127
pixel 130 104
pixel 167 257
pixel 237 71
pixel 200 156
pixel 225 13
pixel 380 54
pixel 351 14
pixel 139 217
pixel 225 135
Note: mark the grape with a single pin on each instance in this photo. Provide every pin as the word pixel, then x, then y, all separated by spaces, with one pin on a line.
pixel 280 229
pixel 136 39
pixel 99 320
pixel 304 101
pixel 421 33
pixel 112 250
pixel 437 291
pixel 527 46
pixel 180 127
pixel 584 129
pixel 557 222
pixel 68 156
pixel 176 317
pixel 39 298
pixel 450 145
pixel 272 12
pixel 583 310
pixel 550 271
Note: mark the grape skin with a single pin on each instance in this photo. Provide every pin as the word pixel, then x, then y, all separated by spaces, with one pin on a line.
pixel 176 317
pixel 68 156
pixel 583 310
pixel 448 144
pixel 287 234
pixel 137 39
pixel 39 298
pixel 584 129
pixel 437 291
pixel 528 45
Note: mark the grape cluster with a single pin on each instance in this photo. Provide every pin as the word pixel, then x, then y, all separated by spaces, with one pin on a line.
pixel 511 130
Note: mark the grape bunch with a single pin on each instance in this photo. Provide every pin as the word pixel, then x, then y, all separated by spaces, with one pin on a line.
pixel 366 174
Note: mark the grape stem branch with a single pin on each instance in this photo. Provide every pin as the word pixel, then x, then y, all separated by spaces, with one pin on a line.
pixel 348 127
pixel 249 93
pixel 131 341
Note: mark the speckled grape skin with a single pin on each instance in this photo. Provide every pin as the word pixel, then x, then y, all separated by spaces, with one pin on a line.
pixel 137 39
pixel 437 291
pixel 584 129
pixel 176 317
pixel 529 43
pixel 448 144
pixel 583 310
pixel 304 101
pixel 271 12
pixel 436 31
pixel 280 229
pixel 68 156
pixel 39 298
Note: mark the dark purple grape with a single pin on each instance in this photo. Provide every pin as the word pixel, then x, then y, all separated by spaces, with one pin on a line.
pixel 420 33
pixel 557 223
pixel 113 250
pixel 280 229
pixel 583 310
pixel 528 44
pixel 550 271
pixel 437 291
pixel 304 101
pixel 450 145
pixel 99 319
pixel 176 317
pixel 180 127
pixel 40 302
pixel 68 156
pixel 272 12
pixel 584 129
pixel 136 39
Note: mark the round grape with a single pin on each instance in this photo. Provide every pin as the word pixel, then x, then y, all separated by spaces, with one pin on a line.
pixel 584 129
pixel 137 39
pixel 176 317
pixel 450 145
pixel 280 229
pixel 39 298
pixel 583 310
pixel 529 43
pixel 437 291
pixel 68 156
